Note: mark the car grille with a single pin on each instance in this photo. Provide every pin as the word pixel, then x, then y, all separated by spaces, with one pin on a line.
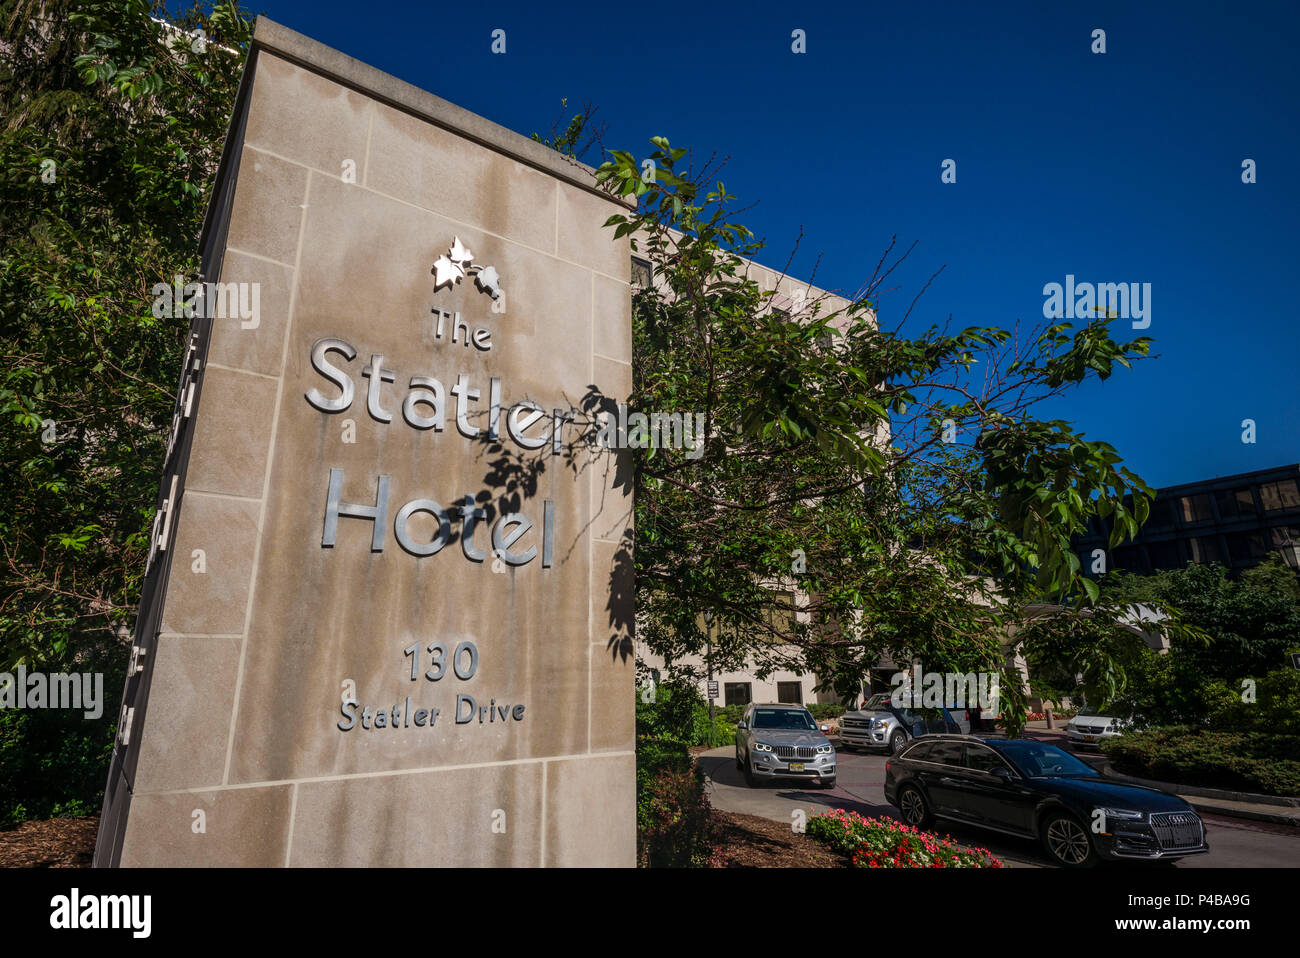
pixel 854 723
pixel 790 751
pixel 1177 830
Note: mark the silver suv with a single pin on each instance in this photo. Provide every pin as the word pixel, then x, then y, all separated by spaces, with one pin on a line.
pixel 880 725
pixel 783 741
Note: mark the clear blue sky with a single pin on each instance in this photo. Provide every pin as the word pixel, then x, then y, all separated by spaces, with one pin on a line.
pixel 1122 167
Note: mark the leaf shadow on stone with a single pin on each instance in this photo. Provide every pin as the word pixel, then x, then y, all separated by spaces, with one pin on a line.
pixel 512 475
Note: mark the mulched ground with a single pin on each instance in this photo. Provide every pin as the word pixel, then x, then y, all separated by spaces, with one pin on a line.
pixel 748 841
pixel 55 843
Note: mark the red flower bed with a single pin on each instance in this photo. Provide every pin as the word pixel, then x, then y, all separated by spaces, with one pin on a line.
pixel 888 843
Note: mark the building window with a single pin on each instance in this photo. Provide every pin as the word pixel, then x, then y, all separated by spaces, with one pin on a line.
pixel 1162 514
pixel 1196 508
pixel 1246 545
pixel 1206 549
pixel 1164 555
pixel 736 693
pixel 782 616
pixel 789 693
pixel 1279 495
pixel 1235 502
pixel 642 273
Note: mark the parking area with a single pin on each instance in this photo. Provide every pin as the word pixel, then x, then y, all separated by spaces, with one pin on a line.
pixel 859 788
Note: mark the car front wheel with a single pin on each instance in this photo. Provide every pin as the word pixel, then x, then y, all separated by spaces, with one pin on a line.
pixel 750 780
pixel 897 741
pixel 1067 841
pixel 915 809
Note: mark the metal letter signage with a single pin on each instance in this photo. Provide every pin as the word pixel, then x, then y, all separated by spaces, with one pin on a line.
pixel 457 264
pixel 415 590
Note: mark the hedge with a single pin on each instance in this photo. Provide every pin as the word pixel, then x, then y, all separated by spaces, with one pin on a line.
pixel 1241 761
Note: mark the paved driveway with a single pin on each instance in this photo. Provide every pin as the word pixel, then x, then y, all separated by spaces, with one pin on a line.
pixel 859 787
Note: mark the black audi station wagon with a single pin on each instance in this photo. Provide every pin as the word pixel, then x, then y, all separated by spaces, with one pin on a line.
pixel 1035 790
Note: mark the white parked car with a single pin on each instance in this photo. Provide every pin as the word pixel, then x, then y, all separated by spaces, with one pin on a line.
pixel 1088 729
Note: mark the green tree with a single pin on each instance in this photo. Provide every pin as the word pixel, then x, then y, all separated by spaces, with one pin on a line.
pixel 114 114
pixel 1240 629
pixel 926 548
pixel 1251 620
pixel 113 127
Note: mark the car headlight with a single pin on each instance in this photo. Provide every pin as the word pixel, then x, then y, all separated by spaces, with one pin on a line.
pixel 879 723
pixel 760 747
pixel 1123 814
pixel 825 749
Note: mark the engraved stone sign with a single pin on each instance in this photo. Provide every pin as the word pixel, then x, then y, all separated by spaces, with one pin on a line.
pixel 408 639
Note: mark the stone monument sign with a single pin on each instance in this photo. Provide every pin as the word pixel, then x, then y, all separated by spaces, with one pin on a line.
pixel 388 614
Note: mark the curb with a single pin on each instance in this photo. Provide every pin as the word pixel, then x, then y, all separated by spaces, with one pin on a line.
pixel 1228 812
pixel 1195 796
pixel 1201 792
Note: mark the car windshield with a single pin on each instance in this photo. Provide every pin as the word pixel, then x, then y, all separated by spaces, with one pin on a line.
pixel 1039 760
pixel 793 720
pixel 878 701
pixel 1091 712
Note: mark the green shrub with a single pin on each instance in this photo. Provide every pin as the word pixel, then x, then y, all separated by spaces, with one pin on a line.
pixel 678 712
pixel 731 713
pixel 54 763
pixel 1244 761
pixel 673 816
pixel 1275 709
pixel 681 713
pixel 724 733
pixel 1168 690
pixel 657 755
pixel 826 710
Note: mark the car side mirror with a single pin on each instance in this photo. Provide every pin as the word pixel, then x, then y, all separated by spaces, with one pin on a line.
pixel 741 724
pixel 1002 773
pixel 825 728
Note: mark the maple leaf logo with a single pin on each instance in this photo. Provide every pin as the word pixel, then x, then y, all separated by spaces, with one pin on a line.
pixel 457 263
pixel 489 282
pixel 459 253
pixel 446 273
